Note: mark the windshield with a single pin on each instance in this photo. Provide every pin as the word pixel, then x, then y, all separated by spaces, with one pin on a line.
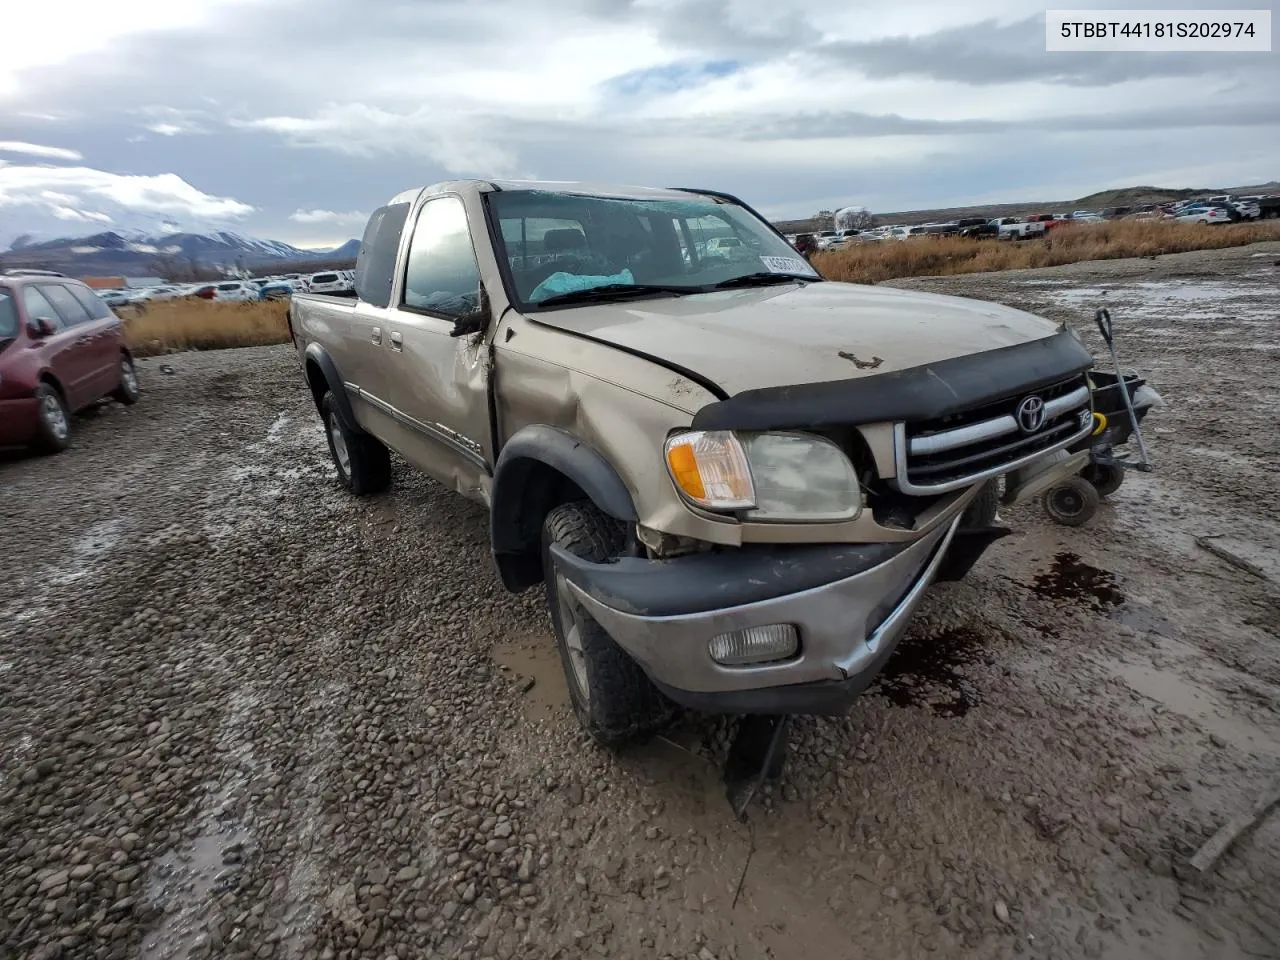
pixel 8 317
pixel 557 243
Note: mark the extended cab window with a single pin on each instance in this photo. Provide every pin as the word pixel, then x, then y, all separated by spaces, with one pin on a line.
pixel 68 306
pixel 441 275
pixel 38 307
pixel 376 264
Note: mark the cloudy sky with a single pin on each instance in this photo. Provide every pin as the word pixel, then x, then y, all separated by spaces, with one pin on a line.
pixel 291 120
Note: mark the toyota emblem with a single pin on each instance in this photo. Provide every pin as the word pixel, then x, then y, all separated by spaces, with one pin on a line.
pixel 1030 415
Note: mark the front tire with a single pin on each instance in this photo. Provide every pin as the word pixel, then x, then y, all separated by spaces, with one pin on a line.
pixel 613 699
pixel 363 462
pixel 128 392
pixel 53 434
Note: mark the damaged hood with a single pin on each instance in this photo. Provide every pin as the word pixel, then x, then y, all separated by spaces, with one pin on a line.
pixel 813 333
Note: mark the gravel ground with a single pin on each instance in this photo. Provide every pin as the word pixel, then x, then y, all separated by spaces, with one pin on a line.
pixel 245 715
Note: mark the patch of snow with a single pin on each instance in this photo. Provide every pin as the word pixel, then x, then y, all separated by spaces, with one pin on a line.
pixel 276 430
pixel 87 548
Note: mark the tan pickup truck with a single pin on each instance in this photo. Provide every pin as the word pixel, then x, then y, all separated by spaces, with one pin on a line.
pixel 733 479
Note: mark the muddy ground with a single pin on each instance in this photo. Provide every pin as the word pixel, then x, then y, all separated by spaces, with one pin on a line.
pixel 245 715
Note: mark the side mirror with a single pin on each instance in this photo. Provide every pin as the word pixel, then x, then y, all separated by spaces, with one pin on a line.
pixel 42 327
pixel 475 321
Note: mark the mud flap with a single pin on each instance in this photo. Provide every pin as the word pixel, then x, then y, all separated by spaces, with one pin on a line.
pixel 758 752
pixel 966 547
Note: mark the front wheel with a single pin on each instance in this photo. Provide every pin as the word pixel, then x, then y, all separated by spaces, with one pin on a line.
pixel 53 434
pixel 613 698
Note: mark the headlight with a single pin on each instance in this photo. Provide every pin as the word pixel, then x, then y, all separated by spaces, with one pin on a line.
pixel 801 477
pixel 769 476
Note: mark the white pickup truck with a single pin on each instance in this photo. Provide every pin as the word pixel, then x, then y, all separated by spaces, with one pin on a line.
pixel 1015 228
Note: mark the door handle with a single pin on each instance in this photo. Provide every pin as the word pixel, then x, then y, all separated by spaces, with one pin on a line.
pixel 397 341
pixel 376 335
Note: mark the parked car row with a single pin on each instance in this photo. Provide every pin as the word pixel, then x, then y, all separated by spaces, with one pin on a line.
pixel 1223 208
pixel 233 290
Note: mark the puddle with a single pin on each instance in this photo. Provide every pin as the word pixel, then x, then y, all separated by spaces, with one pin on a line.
pixel 1143 619
pixel 183 882
pixel 533 665
pixel 929 671
pixel 1195 702
pixel 1070 578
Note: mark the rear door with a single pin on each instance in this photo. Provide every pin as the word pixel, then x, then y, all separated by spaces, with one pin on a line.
pixel 108 333
pixel 437 382
pixel 95 341
pixel 69 360
pixel 364 353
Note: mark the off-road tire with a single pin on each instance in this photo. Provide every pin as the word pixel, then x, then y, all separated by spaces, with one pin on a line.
pixel 50 438
pixel 1073 502
pixel 128 392
pixel 1106 479
pixel 621 705
pixel 984 508
pixel 366 468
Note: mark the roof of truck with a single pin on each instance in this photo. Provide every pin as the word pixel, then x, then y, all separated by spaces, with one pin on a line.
pixel 588 188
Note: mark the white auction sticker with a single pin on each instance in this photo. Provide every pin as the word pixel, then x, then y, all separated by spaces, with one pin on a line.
pixel 1220 31
pixel 787 265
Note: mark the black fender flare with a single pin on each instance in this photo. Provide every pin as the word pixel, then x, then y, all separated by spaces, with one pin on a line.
pixel 329 370
pixel 520 495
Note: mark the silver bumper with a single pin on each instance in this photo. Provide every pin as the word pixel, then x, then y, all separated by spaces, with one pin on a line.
pixel 846 627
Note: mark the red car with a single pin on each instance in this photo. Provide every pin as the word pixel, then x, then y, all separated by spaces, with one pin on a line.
pixel 61 350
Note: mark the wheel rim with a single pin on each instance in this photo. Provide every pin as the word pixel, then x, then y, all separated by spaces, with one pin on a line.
pixel 340 451
pixel 571 627
pixel 128 379
pixel 54 416
pixel 1069 503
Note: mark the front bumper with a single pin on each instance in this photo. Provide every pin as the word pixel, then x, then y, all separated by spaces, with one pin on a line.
pixel 19 420
pixel 849 603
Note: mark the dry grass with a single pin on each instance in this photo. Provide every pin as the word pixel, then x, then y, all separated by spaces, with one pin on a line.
pixel 943 256
pixel 175 325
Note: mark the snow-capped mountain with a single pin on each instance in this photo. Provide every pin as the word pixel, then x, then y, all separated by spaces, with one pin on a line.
pixel 136 253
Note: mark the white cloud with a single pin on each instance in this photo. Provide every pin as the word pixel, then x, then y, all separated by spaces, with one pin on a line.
pixel 36 198
pixel 465 146
pixel 69 28
pixel 328 216
pixel 38 150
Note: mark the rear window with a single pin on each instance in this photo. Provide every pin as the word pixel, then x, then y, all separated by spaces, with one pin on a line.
pixel 325 278
pixel 8 315
pixel 97 307
pixel 228 286
pixel 68 307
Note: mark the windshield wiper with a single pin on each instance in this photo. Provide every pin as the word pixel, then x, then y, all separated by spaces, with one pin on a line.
pixel 611 291
pixel 759 280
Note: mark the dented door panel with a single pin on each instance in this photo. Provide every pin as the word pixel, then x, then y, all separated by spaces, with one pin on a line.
pixel 438 391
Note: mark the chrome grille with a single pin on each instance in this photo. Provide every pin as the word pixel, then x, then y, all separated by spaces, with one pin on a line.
pixel 950 452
